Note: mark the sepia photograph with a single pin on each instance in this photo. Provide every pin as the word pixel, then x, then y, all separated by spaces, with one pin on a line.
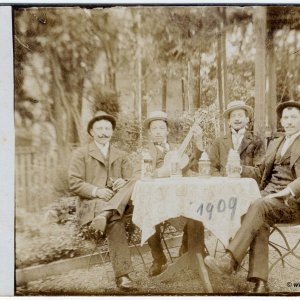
pixel 157 150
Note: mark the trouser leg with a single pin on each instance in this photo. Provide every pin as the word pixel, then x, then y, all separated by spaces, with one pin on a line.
pixel 261 211
pixel 156 248
pixel 259 255
pixel 118 248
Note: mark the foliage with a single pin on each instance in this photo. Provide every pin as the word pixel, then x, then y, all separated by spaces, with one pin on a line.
pixel 39 242
pixel 105 100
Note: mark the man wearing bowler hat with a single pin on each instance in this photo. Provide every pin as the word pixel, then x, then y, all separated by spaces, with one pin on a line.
pixel 279 178
pixel 158 146
pixel 98 174
pixel 250 147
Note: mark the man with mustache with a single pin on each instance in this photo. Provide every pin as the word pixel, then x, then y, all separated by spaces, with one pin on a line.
pixel 250 147
pixel 158 146
pixel 98 174
pixel 279 178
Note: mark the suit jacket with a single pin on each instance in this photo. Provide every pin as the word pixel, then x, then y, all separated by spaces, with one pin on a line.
pixel 193 159
pixel 263 171
pixel 251 152
pixel 88 170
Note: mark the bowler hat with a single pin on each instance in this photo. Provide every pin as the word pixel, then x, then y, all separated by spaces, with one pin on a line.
pixel 237 104
pixel 101 115
pixel 281 106
pixel 156 115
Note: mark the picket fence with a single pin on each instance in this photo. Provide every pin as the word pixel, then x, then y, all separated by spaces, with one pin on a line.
pixel 34 173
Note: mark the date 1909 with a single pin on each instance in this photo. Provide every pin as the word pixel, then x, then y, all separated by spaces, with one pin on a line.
pixel 219 207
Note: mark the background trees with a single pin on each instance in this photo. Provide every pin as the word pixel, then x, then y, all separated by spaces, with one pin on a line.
pixel 70 61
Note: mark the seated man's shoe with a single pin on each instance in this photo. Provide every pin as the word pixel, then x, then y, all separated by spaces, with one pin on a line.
pixel 261 287
pixel 100 221
pixel 223 265
pixel 125 283
pixel 157 268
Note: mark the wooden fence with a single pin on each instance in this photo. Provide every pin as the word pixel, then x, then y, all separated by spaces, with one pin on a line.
pixel 34 173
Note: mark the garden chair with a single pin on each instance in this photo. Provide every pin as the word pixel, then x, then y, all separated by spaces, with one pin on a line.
pixel 284 249
pixel 133 238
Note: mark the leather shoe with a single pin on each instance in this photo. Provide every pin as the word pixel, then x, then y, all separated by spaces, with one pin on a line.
pixel 99 222
pixel 261 287
pixel 157 268
pixel 125 283
pixel 223 265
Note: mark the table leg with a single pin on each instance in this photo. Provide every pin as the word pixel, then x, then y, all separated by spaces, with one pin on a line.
pixel 182 263
pixel 192 259
pixel 203 273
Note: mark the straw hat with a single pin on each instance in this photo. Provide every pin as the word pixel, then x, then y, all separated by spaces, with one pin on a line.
pixel 156 115
pixel 237 104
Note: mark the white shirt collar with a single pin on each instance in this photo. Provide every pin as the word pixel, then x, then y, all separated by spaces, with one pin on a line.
pixel 288 142
pixel 103 147
pixel 293 136
pixel 240 132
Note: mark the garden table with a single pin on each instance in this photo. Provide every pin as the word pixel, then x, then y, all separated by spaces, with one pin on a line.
pixel 218 202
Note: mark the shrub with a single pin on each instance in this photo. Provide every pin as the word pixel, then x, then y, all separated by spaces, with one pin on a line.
pixel 39 242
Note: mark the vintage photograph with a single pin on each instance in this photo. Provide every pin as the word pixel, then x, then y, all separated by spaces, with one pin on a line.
pixel 157 150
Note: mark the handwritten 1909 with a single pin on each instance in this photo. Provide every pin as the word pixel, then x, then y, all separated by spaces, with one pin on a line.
pixel 221 207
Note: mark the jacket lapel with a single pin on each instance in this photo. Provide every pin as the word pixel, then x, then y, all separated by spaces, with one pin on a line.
pixel 95 152
pixel 295 151
pixel 247 139
pixel 153 153
pixel 270 157
pixel 114 154
pixel 227 141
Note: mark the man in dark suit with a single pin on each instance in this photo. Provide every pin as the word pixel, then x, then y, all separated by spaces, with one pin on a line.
pixel 250 147
pixel 98 174
pixel 279 177
pixel 158 147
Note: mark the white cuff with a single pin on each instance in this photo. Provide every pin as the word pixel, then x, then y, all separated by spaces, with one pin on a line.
pixel 94 192
pixel 291 191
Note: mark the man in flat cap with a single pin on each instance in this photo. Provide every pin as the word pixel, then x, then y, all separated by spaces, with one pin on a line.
pixel 158 146
pixel 279 177
pixel 250 147
pixel 98 174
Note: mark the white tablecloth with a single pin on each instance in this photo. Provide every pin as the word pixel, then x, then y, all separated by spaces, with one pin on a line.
pixel 219 202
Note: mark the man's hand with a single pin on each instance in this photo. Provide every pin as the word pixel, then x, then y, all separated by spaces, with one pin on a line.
pixel 284 193
pixel 118 183
pixel 104 194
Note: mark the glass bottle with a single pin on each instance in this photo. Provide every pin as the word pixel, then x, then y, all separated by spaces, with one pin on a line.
pixel 233 166
pixel 147 166
pixel 204 165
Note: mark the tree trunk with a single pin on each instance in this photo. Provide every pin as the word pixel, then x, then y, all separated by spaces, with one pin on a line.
pixel 223 54
pixel 260 25
pixel 183 93
pixel 271 88
pixel 196 85
pixel 220 81
pixel 164 91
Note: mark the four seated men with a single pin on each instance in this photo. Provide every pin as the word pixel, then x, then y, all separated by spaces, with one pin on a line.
pixel 96 165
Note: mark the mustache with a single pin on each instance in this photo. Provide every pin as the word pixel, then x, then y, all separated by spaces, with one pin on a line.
pixel 103 136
